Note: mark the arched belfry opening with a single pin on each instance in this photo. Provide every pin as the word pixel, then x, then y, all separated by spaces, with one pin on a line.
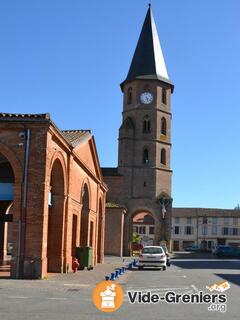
pixel 84 228
pixel 55 219
pixel 6 217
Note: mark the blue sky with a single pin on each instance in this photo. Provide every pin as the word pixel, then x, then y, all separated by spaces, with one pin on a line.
pixel 68 57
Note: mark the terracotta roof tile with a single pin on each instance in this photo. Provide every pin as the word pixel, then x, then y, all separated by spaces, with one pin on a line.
pixel 74 137
pixel 21 116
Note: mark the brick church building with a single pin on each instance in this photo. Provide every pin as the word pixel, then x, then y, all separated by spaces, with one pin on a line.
pixel 142 181
pixel 52 195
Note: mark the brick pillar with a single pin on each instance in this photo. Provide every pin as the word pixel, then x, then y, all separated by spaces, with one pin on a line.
pixel 55 235
pixel 2 224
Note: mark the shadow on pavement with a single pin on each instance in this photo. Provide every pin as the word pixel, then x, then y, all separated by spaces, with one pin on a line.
pixel 210 264
pixel 147 269
pixel 190 260
pixel 193 255
pixel 233 278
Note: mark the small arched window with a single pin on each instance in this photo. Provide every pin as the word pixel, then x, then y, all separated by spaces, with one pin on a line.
pixel 145 156
pixel 164 96
pixel 129 95
pixel 163 156
pixel 164 126
pixel 146 124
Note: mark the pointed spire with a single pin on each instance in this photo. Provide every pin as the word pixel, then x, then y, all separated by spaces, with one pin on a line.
pixel 148 61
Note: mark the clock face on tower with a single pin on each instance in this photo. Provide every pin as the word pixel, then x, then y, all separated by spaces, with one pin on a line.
pixel 146 97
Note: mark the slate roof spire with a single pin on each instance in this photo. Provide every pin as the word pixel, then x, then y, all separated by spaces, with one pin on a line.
pixel 148 61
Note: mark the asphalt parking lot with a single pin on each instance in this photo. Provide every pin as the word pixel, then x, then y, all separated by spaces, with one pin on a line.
pixel 189 274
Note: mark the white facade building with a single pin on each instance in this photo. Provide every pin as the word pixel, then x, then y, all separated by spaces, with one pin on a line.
pixel 205 227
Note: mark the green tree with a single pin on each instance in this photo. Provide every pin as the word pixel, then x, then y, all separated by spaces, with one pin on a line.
pixel 135 237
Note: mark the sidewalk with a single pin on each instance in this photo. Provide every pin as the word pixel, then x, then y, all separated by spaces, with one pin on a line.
pixel 72 281
pixel 92 277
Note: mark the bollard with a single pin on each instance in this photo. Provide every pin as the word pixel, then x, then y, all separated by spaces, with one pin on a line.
pixel 107 278
pixel 123 270
pixel 130 265
pixel 116 274
pixel 112 276
pixel 134 262
pixel 120 271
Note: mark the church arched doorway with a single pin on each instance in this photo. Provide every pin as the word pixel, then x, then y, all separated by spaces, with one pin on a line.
pixel 143 230
pixel 7 180
pixel 55 219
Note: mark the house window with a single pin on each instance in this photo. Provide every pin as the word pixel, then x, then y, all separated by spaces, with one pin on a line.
pixel 205 220
pixel 145 156
pixel 188 230
pixel 235 220
pixel 163 156
pixel 226 220
pixel 189 220
pixel 214 230
pixel 214 220
pixel 177 220
pixel 235 231
pixel 151 230
pixel 146 125
pixel 177 230
pixel 225 231
pixel 164 126
pixel 129 95
pixel 204 230
pixel 135 229
pixel 142 230
pixel 164 96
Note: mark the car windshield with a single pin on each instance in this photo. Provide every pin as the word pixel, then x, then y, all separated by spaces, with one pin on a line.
pixel 152 250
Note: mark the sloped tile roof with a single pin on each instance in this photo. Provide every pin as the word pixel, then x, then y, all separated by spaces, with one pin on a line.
pixel 74 137
pixel 23 116
pixel 110 172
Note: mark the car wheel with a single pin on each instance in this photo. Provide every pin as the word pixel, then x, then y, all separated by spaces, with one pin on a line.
pixel 164 268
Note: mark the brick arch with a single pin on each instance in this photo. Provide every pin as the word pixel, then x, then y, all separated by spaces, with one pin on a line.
pixel 56 214
pixel 129 223
pixel 85 200
pixel 138 211
pixel 15 164
pixel 59 156
pixel 85 183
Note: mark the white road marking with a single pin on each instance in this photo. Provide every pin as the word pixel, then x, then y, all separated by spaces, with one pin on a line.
pixel 57 298
pixel 194 288
pixel 156 289
pixel 17 297
pixel 76 285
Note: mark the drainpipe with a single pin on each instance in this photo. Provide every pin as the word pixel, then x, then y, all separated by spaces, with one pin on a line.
pixel 22 221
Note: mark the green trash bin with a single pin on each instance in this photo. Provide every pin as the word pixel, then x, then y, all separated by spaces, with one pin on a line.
pixel 85 257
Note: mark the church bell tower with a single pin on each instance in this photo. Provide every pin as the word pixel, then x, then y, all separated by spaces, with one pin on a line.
pixel 145 134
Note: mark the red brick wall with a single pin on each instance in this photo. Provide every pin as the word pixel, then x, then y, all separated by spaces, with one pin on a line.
pixel 46 147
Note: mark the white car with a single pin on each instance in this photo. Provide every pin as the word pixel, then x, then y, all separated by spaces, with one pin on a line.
pixel 152 256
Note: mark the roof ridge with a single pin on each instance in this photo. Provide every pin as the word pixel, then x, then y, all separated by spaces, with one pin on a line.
pixel 76 130
pixel 25 115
